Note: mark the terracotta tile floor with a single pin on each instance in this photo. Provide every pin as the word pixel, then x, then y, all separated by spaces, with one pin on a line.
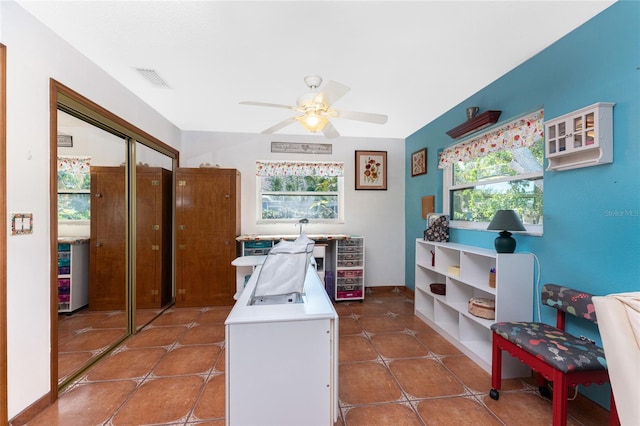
pixel 394 370
pixel 86 334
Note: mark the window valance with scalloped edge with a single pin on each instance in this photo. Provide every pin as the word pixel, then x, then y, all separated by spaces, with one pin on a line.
pixel 74 164
pixel 298 168
pixel 519 133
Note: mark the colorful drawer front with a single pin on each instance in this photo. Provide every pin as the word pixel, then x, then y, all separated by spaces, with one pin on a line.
pixel 350 242
pixel 64 259
pixel 349 256
pixel 257 244
pixel 354 294
pixel 349 287
pixel 64 290
pixel 350 263
pixel 257 248
pixel 349 282
pixel 350 249
pixel 350 279
pixel 350 274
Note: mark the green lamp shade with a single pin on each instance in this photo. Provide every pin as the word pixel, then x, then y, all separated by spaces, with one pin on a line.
pixel 505 221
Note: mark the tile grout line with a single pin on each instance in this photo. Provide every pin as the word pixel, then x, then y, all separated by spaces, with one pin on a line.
pixel 145 378
pixel 405 400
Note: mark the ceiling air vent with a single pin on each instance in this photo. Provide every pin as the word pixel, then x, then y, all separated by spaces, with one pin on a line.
pixel 153 77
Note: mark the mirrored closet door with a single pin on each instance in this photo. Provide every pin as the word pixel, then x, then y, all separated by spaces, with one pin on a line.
pixel 154 236
pixel 112 239
pixel 92 235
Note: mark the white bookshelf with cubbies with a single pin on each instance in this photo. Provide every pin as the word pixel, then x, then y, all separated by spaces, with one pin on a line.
pixel 466 272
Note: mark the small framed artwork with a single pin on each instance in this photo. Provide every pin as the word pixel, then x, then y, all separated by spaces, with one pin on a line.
pixel 65 141
pixel 371 170
pixel 419 162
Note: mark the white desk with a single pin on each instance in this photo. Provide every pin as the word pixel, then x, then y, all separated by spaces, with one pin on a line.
pixel 282 360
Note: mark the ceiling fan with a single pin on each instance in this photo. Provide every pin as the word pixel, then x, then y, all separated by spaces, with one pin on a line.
pixel 314 109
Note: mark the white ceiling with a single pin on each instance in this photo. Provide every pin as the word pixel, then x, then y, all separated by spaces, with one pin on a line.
pixel 410 60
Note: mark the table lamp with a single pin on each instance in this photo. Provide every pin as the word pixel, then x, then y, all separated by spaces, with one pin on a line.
pixel 505 221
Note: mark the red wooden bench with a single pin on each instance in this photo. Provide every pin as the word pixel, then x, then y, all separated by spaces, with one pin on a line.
pixel 557 356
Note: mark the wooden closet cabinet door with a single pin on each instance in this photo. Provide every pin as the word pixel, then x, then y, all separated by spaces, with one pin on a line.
pixel 204 278
pixel 107 254
pixel 107 275
pixel 207 225
pixel 149 242
pixel 154 201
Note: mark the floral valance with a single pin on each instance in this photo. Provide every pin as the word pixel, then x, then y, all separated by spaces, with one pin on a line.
pixel 74 173
pixel 520 133
pixel 298 168
pixel 74 164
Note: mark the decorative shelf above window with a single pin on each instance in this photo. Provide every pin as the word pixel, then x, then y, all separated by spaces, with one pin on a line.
pixel 474 124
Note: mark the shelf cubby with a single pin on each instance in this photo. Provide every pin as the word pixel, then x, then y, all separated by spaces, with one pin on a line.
pixel 449 314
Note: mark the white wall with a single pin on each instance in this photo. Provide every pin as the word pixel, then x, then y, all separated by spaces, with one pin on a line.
pixel 376 215
pixel 35 54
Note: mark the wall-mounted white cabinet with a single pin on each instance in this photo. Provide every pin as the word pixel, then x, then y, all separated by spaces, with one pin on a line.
pixel 581 138
pixel 466 271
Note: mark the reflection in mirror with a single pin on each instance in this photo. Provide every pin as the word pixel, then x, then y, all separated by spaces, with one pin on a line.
pixel 154 201
pixel 92 217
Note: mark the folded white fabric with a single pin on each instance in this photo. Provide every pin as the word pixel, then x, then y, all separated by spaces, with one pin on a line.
pixel 285 268
pixel 619 323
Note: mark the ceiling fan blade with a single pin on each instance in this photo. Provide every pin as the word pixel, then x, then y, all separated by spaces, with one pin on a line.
pixel 330 131
pixel 266 104
pixel 279 126
pixel 361 116
pixel 331 93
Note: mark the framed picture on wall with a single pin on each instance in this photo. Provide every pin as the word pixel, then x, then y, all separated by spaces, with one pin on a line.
pixel 419 162
pixel 371 170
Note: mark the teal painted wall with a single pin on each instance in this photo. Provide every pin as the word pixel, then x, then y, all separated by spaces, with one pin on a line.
pixel 591 235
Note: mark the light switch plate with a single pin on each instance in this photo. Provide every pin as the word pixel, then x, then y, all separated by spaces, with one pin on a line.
pixel 21 223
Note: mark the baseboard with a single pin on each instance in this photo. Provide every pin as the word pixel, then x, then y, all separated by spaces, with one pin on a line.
pixel 29 413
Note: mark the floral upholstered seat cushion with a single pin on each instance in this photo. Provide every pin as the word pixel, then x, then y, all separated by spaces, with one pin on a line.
pixel 561 350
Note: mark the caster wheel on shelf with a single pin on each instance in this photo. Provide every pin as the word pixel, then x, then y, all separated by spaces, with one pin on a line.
pixel 494 394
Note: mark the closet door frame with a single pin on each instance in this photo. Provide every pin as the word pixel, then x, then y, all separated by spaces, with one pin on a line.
pixel 70 100
pixel 4 410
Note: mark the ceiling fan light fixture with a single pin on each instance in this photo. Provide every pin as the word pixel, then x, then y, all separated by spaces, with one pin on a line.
pixel 312 122
pixel 314 109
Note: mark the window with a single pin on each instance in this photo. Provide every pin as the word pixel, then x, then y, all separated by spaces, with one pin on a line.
pixel 290 191
pixel 501 169
pixel 74 186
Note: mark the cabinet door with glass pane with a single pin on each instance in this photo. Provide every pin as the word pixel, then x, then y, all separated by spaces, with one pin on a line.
pixel 581 138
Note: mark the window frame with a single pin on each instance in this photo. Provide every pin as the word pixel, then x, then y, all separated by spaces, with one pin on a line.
pixel 339 193
pixel 448 189
pixel 71 191
pixel 518 133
